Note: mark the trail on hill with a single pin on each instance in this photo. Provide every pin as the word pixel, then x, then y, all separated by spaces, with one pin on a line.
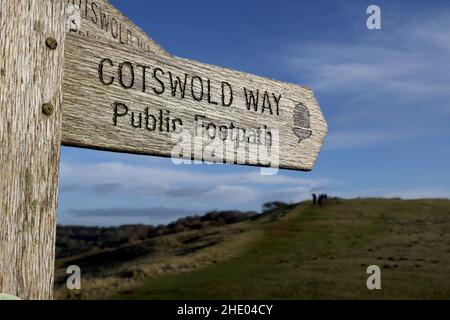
pixel 319 253
pixel 299 252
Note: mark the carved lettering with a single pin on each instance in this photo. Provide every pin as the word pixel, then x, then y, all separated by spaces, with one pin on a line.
pixel 136 76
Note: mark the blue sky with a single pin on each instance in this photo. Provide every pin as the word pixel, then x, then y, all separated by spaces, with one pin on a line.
pixel 385 94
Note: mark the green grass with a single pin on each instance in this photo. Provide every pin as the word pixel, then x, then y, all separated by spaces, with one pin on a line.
pixel 309 253
pixel 323 253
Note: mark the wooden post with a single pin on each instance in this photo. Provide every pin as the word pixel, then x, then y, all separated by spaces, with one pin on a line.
pixel 32 36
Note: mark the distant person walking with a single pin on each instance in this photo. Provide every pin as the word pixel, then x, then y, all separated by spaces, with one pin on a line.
pixel 322 198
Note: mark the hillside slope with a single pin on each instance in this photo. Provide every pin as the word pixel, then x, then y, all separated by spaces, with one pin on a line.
pixel 312 253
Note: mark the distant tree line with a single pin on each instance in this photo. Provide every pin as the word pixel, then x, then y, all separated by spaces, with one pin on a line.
pixel 75 240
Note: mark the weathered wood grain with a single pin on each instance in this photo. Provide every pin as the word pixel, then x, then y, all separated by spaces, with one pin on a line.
pixel 100 19
pixel 101 75
pixel 31 74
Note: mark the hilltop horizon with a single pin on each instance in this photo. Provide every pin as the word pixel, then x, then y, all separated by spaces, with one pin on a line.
pixel 123 212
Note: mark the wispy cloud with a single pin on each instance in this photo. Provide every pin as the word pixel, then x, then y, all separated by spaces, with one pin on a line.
pixel 352 139
pixel 152 212
pixel 181 187
pixel 392 83
pixel 408 60
pixel 114 177
pixel 407 193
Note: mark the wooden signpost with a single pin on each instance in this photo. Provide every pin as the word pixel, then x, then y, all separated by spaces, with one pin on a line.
pixel 79 73
pixel 98 19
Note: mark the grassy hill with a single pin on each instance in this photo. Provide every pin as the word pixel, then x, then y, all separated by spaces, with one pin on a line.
pixel 303 252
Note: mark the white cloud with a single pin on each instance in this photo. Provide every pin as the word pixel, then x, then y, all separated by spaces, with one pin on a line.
pixel 351 139
pixel 150 212
pixel 388 85
pixel 104 178
pixel 170 186
pixel 434 193
pixel 406 60
pixel 234 194
pixel 407 193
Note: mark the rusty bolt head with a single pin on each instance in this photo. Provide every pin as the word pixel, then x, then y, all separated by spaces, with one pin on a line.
pixel 51 43
pixel 48 109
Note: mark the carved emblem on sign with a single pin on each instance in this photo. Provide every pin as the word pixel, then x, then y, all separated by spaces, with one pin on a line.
pixel 302 122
